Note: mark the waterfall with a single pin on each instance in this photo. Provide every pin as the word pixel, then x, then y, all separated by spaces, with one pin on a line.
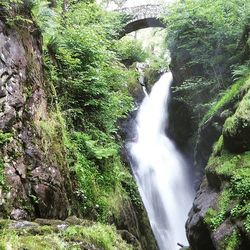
pixel 159 169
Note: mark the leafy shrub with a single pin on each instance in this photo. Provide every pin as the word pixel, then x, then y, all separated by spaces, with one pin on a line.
pixel 203 37
pixel 130 50
pixel 89 87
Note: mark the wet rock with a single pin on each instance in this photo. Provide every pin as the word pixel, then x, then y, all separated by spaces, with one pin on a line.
pixel 73 220
pixel 50 202
pixel 2 93
pixel 18 214
pixel 23 225
pixel 198 233
pixel 56 225
pixel 202 231
pixel 7 119
pixel 48 222
pixel 130 238
pixel 35 179
pixel 133 218
pixel 224 231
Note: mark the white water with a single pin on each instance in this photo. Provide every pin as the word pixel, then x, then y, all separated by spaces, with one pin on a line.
pixel 159 169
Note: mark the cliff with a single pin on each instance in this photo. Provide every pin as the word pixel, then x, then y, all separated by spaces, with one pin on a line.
pixel 39 177
pixel 219 218
pixel 209 118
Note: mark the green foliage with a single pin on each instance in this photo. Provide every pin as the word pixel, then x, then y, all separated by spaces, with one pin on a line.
pixel 208 31
pixel 89 87
pixel 16 12
pixel 234 201
pixel 9 5
pixel 240 184
pixel 240 120
pixel 204 39
pixel 240 71
pixel 232 241
pixel 2 176
pixel 213 217
pixel 47 18
pixel 91 78
pixel 227 96
pixel 195 90
pixel 5 137
pixel 247 222
pixel 99 172
pixel 130 50
pixel 38 237
pixel 104 237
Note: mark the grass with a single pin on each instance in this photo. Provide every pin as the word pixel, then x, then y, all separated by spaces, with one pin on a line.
pixel 227 97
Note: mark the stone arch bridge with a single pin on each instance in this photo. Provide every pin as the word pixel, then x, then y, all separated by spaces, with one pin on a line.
pixel 141 17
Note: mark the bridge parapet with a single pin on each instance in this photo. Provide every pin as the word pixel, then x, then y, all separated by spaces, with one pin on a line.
pixel 143 11
pixel 141 17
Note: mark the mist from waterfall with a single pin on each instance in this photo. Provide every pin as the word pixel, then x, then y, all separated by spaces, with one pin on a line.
pixel 159 169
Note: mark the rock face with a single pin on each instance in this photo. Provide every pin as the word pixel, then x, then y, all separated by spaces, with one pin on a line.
pixel 34 177
pixel 203 200
pixel 219 218
pixel 134 225
pixel 37 186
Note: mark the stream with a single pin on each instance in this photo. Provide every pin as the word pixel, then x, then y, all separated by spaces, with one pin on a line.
pixel 160 170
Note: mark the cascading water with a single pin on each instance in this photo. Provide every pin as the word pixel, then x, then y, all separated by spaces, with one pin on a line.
pixel 159 169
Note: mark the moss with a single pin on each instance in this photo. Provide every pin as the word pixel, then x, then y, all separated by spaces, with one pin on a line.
pixel 247 222
pixel 234 171
pixel 232 242
pixel 218 147
pixel 230 125
pixel 214 217
pixel 41 242
pixel 2 176
pixel 102 236
pixel 228 96
pixel 228 164
pixel 3 224
pixel 210 214
pixel 51 131
pixel 95 235
pixel 5 137
pixel 241 118
pixel 44 242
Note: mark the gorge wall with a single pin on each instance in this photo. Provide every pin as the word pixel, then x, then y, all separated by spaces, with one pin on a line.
pixel 35 177
pixel 213 134
pixel 34 185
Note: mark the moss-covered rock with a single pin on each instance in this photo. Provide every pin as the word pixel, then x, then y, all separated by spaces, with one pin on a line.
pixel 60 235
pixel 221 210
pixel 236 131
